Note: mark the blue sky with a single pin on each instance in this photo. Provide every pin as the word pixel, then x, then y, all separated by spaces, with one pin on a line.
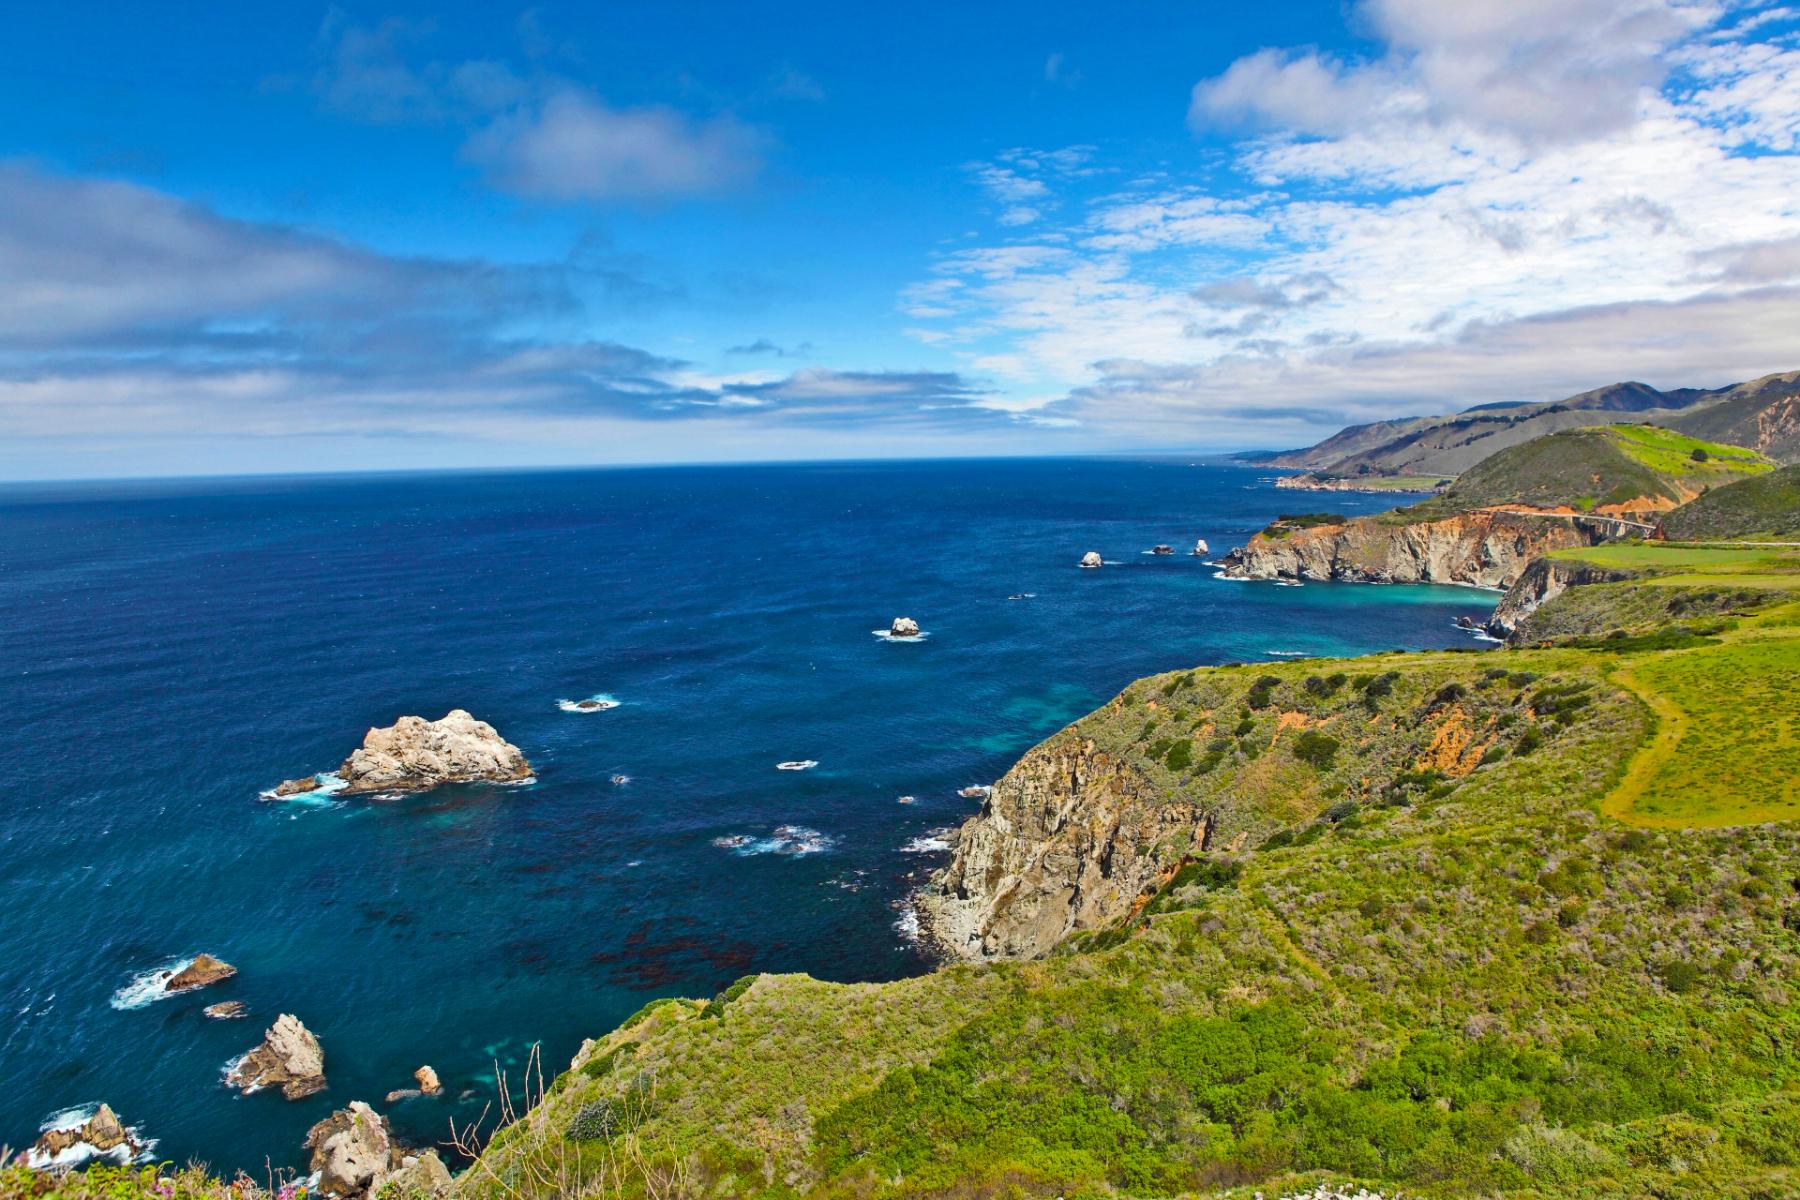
pixel 261 237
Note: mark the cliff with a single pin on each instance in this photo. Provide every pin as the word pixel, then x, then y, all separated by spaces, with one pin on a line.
pixel 1485 548
pixel 1541 582
pixel 1072 838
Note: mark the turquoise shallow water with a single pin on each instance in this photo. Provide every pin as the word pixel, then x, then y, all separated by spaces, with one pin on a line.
pixel 167 650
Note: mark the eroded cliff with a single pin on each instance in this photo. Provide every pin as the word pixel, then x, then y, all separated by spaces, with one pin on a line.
pixel 1484 548
pixel 1072 838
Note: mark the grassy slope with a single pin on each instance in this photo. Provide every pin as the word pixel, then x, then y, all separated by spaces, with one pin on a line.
pixel 1635 466
pixel 1462 979
pixel 1766 506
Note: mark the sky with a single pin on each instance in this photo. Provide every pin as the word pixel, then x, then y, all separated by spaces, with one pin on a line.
pixel 260 237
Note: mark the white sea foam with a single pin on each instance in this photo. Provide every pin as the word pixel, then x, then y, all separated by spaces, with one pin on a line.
pixel 976 791
pixel 888 635
pixel 931 842
pixel 1023 596
pixel 598 702
pixel 320 797
pixel 1287 653
pixel 907 923
pixel 907 800
pixel 146 988
pixel 797 764
pixel 81 1152
pixel 1220 574
pixel 793 840
pixel 620 780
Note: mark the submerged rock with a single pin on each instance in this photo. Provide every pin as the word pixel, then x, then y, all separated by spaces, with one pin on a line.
pixel 903 627
pixel 102 1133
pixel 296 787
pixel 355 1154
pixel 226 1010
pixel 204 971
pixel 289 1058
pixel 1091 559
pixel 414 754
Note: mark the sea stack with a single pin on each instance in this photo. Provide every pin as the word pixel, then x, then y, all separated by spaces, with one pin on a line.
pixel 415 755
pixel 204 971
pixel 102 1133
pixel 1201 550
pixel 904 627
pixel 289 1058
pixel 1091 560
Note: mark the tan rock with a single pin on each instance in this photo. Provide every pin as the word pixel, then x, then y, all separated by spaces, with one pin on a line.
pixel 414 754
pixel 294 787
pixel 1070 839
pixel 428 1081
pixel 204 971
pixel 399 1094
pixel 421 1174
pixel 103 1133
pixel 903 627
pixel 226 1010
pixel 289 1058
pixel 1092 559
pixel 353 1151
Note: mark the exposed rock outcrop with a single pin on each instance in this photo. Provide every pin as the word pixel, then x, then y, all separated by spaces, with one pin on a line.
pixel 296 787
pixel 289 1058
pixel 1483 548
pixel 1541 582
pixel 903 627
pixel 428 1081
pixel 1092 559
pixel 355 1154
pixel 1070 839
pixel 204 971
pixel 101 1134
pixel 226 1010
pixel 414 754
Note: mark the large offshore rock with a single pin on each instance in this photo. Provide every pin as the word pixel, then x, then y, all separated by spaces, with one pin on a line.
pixel 414 754
pixel 289 1058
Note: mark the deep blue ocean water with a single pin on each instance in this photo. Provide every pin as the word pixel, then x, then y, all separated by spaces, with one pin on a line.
pixel 169 649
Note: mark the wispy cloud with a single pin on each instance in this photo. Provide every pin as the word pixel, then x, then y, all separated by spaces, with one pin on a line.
pixel 1412 230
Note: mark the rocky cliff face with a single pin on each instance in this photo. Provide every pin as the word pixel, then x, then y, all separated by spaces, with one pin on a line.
pixel 1484 548
pixel 1541 582
pixel 414 754
pixel 1071 838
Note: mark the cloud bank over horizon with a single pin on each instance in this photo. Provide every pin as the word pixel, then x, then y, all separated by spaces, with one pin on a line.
pixel 1431 208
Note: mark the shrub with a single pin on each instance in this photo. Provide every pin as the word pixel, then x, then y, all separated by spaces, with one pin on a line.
pixel 1677 974
pixel 1261 693
pixel 1315 749
pixel 1180 755
pixel 600 1121
pixel 1699 454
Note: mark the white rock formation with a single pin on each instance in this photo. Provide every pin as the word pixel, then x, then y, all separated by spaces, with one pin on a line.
pixel 414 754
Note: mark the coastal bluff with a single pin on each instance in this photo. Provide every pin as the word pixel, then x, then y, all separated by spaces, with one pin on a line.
pixel 414 755
pixel 1487 548
pixel 1070 839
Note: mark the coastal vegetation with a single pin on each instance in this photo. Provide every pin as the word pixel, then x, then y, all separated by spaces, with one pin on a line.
pixel 1420 948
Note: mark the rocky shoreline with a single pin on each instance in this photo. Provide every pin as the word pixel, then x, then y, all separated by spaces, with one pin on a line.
pixel 1487 548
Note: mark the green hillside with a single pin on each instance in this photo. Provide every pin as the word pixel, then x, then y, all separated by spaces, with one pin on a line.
pixel 1764 507
pixel 1513 925
pixel 1611 468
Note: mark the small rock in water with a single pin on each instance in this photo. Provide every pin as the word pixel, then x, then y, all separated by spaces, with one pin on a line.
pixel 399 1094
pixel 103 1133
pixel 975 791
pixel 1161 548
pixel 202 972
pixel 903 627
pixel 226 1010
pixel 295 787
pixel 908 800
pixel 289 1058
pixel 1200 548
pixel 1091 560
pixel 428 1081
pixel 620 780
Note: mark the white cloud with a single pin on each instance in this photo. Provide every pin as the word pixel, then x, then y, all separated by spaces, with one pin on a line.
pixel 576 147
pixel 1410 232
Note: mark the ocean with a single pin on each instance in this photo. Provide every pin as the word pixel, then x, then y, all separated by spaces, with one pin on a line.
pixel 168 650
